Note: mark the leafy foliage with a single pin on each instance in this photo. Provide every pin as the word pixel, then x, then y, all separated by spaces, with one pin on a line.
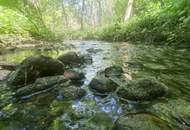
pixel 153 24
pixel 154 21
pixel 27 12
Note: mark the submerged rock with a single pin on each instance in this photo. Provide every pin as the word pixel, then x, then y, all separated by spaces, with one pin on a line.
pixel 71 92
pixel 175 111
pixel 107 80
pixel 56 86
pixel 87 59
pixel 113 71
pixel 143 89
pixel 102 84
pixel 34 67
pixel 39 85
pixel 93 50
pixel 141 121
pixel 70 59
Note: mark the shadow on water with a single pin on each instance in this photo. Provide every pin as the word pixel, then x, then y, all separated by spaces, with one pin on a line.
pixel 167 64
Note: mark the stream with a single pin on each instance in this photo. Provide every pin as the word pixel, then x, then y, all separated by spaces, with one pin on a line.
pixel 168 65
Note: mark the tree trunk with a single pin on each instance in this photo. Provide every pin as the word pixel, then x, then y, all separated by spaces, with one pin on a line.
pixel 64 15
pixel 162 4
pixel 99 13
pixel 128 10
pixel 82 16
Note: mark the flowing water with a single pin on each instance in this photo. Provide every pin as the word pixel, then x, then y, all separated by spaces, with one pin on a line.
pixel 167 64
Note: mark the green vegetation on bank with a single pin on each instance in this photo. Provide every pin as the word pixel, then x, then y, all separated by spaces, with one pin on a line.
pixel 169 24
pixel 164 22
pixel 23 21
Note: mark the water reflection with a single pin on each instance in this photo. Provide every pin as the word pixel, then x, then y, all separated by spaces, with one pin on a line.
pixel 167 64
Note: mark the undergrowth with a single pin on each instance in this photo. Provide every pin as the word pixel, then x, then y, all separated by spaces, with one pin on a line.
pixel 168 26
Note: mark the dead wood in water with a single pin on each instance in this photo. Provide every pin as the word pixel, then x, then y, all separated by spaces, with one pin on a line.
pixel 7 66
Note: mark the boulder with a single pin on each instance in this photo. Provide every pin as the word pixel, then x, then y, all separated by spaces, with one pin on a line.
pixel 141 121
pixel 107 80
pixel 142 89
pixel 34 67
pixel 73 75
pixel 71 59
pixel 76 76
pixel 102 84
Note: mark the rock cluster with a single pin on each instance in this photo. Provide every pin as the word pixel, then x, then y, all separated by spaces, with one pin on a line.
pixel 136 90
pixel 110 81
pixel 63 75
pixel 41 73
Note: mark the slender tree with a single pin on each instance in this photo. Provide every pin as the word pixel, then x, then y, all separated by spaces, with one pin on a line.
pixel 128 11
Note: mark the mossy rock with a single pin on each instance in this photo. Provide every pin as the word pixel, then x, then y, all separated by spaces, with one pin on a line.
pixel 141 121
pixel 34 67
pixel 111 71
pixel 70 92
pixel 102 84
pixel 71 59
pixel 175 111
pixel 142 89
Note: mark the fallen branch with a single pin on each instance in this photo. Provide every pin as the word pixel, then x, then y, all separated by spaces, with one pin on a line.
pixel 8 66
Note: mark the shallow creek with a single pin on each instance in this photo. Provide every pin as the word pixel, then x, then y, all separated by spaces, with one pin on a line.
pixel 167 64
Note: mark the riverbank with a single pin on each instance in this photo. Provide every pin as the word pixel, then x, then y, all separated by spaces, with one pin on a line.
pixel 13 42
pixel 146 30
pixel 167 25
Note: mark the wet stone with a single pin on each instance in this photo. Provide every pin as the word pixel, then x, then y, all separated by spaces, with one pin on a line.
pixel 73 75
pixel 142 90
pixel 82 120
pixel 34 67
pixel 142 121
pixel 71 59
pixel 102 84
pixel 70 92
pixel 176 111
pixel 113 71
pixel 107 80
